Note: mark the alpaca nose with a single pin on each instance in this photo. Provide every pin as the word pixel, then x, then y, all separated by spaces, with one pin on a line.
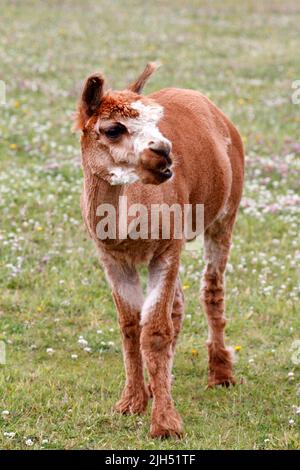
pixel 162 149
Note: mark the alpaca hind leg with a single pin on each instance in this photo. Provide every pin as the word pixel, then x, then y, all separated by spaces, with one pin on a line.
pixel 217 241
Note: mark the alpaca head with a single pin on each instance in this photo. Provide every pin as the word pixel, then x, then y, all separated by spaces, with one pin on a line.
pixel 121 140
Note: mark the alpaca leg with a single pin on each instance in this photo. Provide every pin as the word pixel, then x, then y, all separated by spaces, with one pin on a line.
pixel 157 340
pixel 128 298
pixel 217 241
pixel 177 317
pixel 178 311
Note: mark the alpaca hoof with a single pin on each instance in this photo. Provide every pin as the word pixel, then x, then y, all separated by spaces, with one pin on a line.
pixel 132 404
pixel 169 425
pixel 220 367
pixel 223 381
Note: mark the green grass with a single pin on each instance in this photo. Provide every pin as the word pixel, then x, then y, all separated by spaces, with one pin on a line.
pixel 244 56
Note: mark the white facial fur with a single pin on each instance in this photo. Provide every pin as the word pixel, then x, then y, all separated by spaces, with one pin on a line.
pixel 143 131
pixel 120 175
pixel 144 128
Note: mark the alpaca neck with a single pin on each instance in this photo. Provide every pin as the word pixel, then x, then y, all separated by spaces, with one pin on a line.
pixel 98 191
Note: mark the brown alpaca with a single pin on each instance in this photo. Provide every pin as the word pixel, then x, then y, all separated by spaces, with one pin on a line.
pixel 173 146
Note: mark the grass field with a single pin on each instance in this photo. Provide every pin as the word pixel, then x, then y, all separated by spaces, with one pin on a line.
pixel 58 390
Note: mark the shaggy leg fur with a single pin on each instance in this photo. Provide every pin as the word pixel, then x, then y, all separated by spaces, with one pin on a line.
pixel 128 298
pixel 135 396
pixel 217 247
pixel 177 318
pixel 178 311
pixel 157 339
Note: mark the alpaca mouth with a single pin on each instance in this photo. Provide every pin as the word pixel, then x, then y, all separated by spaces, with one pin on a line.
pixel 162 175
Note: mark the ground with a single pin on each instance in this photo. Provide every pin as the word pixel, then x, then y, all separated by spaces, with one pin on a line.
pixel 63 368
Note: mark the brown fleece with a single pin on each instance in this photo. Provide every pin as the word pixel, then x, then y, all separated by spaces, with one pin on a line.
pixel 208 168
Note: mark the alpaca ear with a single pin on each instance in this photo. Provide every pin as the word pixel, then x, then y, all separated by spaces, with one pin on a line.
pixel 139 84
pixel 92 93
pixel 91 97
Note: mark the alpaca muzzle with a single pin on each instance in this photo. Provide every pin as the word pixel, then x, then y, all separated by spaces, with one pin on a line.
pixel 156 163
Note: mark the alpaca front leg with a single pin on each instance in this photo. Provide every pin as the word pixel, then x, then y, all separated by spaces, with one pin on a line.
pixel 157 340
pixel 128 298
pixel 177 311
pixel 134 397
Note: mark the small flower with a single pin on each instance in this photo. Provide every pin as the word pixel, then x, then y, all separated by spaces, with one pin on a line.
pixel 251 361
pixel 194 352
pixel 99 332
pixel 45 441
pixel 50 351
pixel 5 413
pixel 291 422
pixel 13 146
pixel 185 286
pixel 237 347
pixel 29 442
pixel 9 434
pixel 39 228
pixel 87 349
pixel 296 409
pixel 82 342
pixel 291 374
pixel 74 356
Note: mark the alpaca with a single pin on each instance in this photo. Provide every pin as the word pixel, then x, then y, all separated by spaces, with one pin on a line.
pixel 172 146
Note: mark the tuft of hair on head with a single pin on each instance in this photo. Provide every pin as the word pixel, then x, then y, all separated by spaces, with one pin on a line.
pixel 138 85
pixel 92 94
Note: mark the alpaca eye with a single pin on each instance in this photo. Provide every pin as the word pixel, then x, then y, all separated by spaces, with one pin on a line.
pixel 115 131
